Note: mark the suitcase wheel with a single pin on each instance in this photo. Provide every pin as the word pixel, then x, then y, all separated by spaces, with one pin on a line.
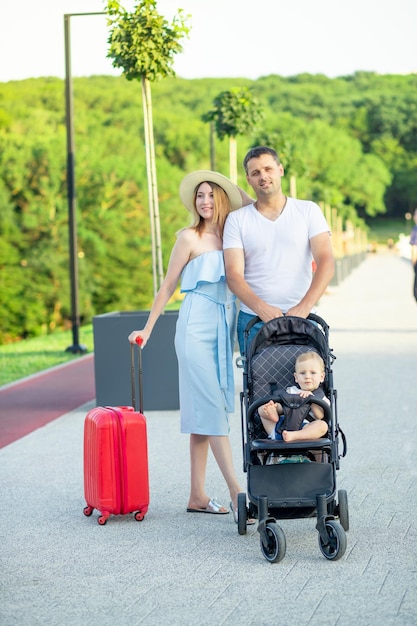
pixel 139 516
pixel 88 510
pixel 102 519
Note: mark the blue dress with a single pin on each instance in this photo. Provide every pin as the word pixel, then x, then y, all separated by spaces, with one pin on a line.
pixel 204 344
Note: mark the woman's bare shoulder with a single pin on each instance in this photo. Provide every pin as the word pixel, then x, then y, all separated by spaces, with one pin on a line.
pixel 187 233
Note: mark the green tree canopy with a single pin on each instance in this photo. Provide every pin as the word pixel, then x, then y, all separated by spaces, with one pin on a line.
pixel 143 43
pixel 235 112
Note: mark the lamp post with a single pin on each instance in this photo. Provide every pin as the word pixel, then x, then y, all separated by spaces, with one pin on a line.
pixel 72 214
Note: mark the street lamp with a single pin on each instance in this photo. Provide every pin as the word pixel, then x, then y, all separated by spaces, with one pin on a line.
pixel 72 215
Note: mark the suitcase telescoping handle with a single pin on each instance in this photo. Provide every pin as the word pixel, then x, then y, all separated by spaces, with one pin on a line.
pixel 139 342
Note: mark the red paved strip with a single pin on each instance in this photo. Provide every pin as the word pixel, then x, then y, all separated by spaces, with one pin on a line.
pixel 39 399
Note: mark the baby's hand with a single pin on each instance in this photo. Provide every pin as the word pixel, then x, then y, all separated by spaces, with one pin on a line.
pixel 305 394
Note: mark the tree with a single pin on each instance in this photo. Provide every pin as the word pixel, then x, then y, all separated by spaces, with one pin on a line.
pixel 143 44
pixel 235 112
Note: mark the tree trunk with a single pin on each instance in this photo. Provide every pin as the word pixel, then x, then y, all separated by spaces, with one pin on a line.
pixel 233 159
pixel 150 198
pixel 157 266
pixel 212 148
pixel 293 186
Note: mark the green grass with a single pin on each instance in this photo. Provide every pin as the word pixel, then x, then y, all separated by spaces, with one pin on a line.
pixel 30 356
pixel 383 228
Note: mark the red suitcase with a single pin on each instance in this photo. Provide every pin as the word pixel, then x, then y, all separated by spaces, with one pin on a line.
pixel 116 479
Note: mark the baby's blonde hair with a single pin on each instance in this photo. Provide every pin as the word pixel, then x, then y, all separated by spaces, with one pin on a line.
pixel 305 356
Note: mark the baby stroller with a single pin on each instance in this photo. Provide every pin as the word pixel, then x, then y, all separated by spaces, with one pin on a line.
pixel 302 483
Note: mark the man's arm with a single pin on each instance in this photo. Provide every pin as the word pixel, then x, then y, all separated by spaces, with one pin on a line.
pixel 234 261
pixel 321 249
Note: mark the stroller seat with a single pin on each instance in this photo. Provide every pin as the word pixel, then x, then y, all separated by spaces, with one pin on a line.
pixel 279 447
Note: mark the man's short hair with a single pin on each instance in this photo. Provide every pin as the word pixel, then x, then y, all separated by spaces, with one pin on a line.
pixel 254 153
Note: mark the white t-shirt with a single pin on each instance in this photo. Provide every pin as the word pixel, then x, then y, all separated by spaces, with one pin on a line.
pixel 278 259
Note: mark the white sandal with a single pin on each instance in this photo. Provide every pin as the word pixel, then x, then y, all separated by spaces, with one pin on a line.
pixel 212 507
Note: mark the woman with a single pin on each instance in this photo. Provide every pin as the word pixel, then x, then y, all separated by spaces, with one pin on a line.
pixel 205 332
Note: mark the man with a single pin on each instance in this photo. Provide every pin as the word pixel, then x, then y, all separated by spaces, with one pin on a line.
pixel 413 243
pixel 270 245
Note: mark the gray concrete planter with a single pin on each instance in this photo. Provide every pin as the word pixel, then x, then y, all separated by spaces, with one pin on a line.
pixel 112 360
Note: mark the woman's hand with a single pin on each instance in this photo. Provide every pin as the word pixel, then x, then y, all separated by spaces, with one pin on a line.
pixel 142 334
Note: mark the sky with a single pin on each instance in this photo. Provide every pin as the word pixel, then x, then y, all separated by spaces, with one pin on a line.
pixel 228 38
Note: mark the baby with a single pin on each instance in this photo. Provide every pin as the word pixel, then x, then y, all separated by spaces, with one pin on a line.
pixel 309 374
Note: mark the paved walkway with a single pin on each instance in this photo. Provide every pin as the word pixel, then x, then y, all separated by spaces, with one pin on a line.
pixel 60 568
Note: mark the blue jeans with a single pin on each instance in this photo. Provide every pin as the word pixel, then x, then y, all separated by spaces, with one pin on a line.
pixel 242 321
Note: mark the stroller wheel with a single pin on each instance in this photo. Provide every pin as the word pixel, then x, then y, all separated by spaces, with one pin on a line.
pixel 343 509
pixel 242 513
pixel 335 547
pixel 273 542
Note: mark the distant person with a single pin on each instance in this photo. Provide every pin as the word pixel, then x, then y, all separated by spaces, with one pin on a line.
pixel 270 245
pixel 309 375
pixel 413 243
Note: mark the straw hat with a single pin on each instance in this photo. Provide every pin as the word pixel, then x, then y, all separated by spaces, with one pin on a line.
pixel 191 181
